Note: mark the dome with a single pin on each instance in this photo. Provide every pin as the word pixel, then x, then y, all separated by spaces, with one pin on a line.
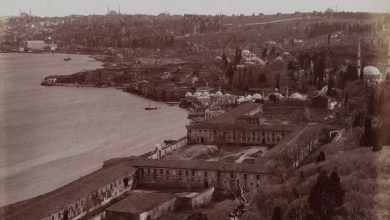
pixel 188 94
pixel 278 58
pixel 248 97
pixel 286 53
pixel 296 95
pixel 245 52
pixel 241 99
pixel 257 96
pixel 205 94
pixel 218 58
pixel 218 93
pixel 197 94
pixel 371 71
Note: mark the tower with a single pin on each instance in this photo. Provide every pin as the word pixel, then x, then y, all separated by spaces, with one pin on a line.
pixel 119 9
pixel 359 59
pixel 388 56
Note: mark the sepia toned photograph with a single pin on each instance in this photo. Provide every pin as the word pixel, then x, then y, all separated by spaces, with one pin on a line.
pixel 194 110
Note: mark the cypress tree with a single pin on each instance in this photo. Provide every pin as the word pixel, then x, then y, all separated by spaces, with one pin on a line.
pixel 326 196
pixel 277 214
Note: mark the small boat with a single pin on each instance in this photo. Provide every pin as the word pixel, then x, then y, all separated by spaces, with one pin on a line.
pixel 150 108
pixel 67 58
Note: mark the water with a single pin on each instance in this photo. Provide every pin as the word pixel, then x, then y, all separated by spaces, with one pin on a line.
pixel 50 136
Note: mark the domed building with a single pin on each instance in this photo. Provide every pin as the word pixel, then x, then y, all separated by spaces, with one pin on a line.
pixel 219 93
pixel 188 94
pixel 296 95
pixel 197 94
pixel 257 96
pixel 371 73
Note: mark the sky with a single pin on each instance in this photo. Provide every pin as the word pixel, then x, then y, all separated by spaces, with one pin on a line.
pixel 86 7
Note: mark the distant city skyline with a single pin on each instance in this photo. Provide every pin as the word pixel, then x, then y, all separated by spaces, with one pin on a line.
pixel 52 8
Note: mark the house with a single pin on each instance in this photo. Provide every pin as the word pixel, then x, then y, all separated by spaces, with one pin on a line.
pixel 141 206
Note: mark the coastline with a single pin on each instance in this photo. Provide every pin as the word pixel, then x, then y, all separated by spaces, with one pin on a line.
pixel 58 132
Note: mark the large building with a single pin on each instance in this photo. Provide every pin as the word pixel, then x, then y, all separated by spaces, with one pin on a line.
pixel 240 126
pixel 78 198
pixel 35 45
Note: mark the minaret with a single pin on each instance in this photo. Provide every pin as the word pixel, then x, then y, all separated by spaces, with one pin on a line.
pixel 108 9
pixel 119 9
pixel 359 59
pixel 388 56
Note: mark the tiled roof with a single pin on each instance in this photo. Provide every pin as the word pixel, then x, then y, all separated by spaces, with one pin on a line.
pixel 231 115
pixel 138 202
pixel 53 201
pixel 245 126
pixel 199 165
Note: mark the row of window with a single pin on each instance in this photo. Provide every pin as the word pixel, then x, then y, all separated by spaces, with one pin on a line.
pixel 187 173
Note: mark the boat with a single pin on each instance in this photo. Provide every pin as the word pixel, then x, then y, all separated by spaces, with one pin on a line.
pixel 67 58
pixel 150 108
pixel 172 103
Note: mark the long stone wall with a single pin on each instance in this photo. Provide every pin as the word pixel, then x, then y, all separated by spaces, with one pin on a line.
pixel 160 152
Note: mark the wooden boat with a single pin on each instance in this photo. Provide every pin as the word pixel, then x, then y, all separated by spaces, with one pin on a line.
pixel 150 108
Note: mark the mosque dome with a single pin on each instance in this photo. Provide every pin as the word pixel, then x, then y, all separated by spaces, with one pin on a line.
pixel 278 58
pixel 205 94
pixel 371 71
pixel 257 96
pixel 245 52
pixel 197 94
pixel 218 93
pixel 296 95
pixel 188 94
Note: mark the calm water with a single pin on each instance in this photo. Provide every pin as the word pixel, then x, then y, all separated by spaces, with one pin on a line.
pixel 50 136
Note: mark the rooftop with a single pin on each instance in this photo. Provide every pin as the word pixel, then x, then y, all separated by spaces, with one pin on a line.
pixel 230 116
pixel 54 201
pixel 199 165
pixel 138 202
pixel 245 126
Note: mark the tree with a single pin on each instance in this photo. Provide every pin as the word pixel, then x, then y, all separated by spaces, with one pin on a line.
pixel 321 157
pixel 367 137
pixel 327 196
pixel 277 214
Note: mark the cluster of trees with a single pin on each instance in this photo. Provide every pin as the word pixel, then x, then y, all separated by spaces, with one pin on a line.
pixel 317 29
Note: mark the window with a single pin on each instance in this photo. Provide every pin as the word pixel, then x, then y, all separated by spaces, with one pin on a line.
pixel 193 173
pixel 148 170
pixel 257 176
pixel 161 171
pixel 179 172
pixel 205 174
pixel 245 176
pixel 186 172
pixel 154 171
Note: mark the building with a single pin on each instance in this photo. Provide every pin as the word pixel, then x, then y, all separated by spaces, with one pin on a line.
pixel 238 133
pixel 371 74
pixel 78 198
pixel 141 206
pixel 194 200
pixel 35 45
pixel 196 174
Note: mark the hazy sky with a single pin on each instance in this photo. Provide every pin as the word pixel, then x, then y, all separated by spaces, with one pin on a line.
pixel 85 7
